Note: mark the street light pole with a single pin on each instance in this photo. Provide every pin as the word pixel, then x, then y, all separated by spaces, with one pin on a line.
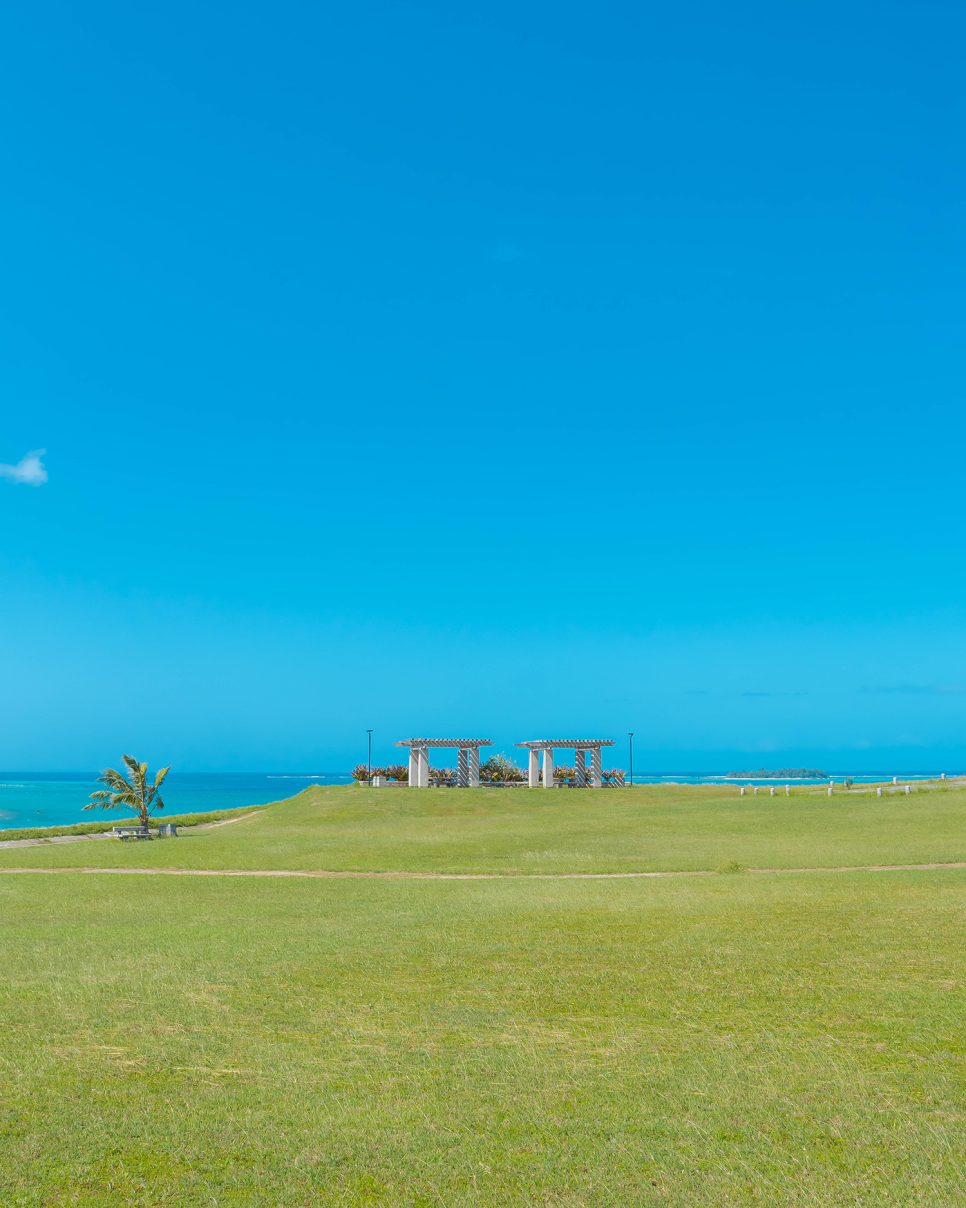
pixel 630 735
pixel 369 763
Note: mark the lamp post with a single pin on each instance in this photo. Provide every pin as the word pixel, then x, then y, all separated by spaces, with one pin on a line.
pixel 369 762
pixel 630 736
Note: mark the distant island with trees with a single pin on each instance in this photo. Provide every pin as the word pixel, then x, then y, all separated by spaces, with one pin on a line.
pixel 783 774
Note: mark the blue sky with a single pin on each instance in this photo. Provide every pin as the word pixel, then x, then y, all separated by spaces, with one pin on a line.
pixel 494 370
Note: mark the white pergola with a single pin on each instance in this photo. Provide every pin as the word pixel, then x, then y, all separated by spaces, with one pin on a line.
pixel 467 760
pixel 580 747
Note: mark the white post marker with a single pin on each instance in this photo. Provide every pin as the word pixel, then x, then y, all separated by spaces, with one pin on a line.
pixel 907 790
pixel 788 790
pixel 772 790
pixel 878 792
pixel 534 781
pixel 742 790
pixel 755 787
pixel 942 775
pixel 895 779
pixel 830 790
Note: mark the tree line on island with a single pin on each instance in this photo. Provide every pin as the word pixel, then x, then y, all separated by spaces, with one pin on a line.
pixel 498 769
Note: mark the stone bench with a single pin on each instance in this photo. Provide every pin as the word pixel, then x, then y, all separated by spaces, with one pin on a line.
pixel 126 833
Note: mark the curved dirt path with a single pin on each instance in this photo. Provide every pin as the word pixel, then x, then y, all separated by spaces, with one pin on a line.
pixel 468 876
pixel 45 840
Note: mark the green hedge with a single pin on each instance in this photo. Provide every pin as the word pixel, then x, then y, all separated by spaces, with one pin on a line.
pixel 99 828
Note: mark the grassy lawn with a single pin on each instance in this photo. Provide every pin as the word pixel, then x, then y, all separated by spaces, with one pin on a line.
pixel 561 830
pixel 737 1039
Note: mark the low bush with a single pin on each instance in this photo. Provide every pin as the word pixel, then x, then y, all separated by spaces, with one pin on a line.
pixel 499 768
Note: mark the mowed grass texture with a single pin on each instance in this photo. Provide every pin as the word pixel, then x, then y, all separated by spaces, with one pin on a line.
pixel 785 1040
pixel 538 831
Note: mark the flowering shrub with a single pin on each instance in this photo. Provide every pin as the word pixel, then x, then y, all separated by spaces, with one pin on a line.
pixel 442 776
pixel 498 767
pixel 614 776
pixel 396 771
pixel 361 772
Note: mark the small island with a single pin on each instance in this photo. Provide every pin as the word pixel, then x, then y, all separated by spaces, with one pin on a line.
pixel 783 774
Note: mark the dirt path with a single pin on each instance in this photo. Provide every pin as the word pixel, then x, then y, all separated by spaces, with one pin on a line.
pixel 468 876
pixel 42 842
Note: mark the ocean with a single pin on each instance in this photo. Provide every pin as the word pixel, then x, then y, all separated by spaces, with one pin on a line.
pixel 58 798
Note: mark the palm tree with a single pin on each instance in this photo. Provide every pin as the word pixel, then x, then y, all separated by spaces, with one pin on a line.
pixel 137 793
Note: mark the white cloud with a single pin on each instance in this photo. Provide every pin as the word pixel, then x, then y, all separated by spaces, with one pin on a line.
pixel 29 469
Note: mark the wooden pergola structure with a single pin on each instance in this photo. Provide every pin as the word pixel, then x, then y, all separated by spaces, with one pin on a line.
pixel 467 760
pixel 580 747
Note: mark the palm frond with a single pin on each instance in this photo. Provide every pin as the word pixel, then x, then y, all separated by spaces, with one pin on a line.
pixel 114 780
pixel 139 772
pixel 113 801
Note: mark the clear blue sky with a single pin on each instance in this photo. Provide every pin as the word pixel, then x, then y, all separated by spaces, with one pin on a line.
pixel 482 369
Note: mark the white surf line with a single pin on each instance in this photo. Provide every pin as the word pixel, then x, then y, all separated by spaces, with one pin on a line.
pixel 468 876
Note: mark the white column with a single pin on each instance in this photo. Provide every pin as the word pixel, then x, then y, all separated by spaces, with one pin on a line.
pixel 424 767
pixel 414 767
pixel 580 769
pixel 596 770
pixel 534 768
pixel 462 770
pixel 548 767
pixel 474 767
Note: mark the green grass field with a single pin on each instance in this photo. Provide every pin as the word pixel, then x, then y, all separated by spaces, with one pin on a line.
pixel 793 1038
pixel 552 831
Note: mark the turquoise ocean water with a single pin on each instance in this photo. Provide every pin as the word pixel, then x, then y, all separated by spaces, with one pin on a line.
pixel 58 798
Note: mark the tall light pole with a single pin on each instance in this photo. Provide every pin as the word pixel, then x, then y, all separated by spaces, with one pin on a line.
pixel 369 762
pixel 630 736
